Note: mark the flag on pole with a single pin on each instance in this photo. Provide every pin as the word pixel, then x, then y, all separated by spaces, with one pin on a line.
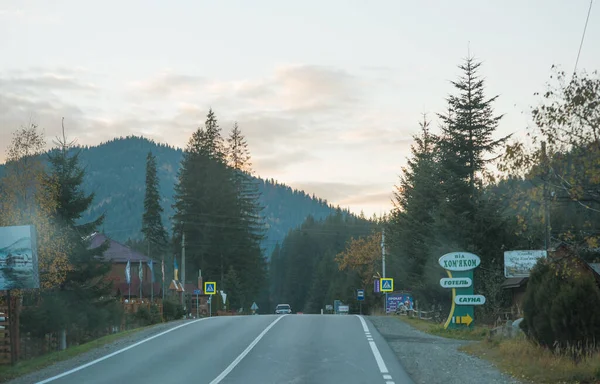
pixel 175 269
pixel 141 271
pixel 163 270
pixel 128 272
pixel 150 262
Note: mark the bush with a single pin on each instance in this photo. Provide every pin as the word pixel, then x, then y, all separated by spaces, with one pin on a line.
pixel 562 307
pixel 172 310
pixel 148 316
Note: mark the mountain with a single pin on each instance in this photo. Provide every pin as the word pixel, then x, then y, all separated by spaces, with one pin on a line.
pixel 115 172
pixel 19 247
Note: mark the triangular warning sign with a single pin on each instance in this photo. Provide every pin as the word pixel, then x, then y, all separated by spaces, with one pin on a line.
pixel 386 284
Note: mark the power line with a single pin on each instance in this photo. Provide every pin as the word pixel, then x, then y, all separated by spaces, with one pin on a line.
pixel 583 36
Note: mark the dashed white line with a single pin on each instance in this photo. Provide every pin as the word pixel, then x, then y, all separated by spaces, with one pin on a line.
pixel 380 363
pixel 387 377
pixel 237 360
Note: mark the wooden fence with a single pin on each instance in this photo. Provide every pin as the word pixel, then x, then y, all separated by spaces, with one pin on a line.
pixel 5 355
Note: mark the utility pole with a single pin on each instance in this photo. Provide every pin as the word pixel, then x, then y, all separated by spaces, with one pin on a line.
pixel 183 258
pixel 183 266
pixel 546 194
pixel 383 265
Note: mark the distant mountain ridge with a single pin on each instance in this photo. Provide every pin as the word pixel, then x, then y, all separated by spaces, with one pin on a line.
pixel 115 172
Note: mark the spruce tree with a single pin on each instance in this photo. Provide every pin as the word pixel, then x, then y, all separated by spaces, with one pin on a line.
pixel 154 232
pixel 467 218
pixel 206 203
pixel 415 201
pixel 84 292
pixel 249 213
pixel 469 126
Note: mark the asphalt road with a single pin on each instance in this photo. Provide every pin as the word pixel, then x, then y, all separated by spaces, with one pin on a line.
pixel 252 350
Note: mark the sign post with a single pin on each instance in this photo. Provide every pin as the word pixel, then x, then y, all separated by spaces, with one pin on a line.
pixel 197 292
pixel 254 307
pixel 360 296
pixel 210 288
pixel 459 266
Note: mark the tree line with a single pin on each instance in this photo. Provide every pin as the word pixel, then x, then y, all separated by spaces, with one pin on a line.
pixel 216 207
pixel 466 188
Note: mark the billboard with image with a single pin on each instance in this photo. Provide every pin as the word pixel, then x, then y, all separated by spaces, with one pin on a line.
pixel 18 258
pixel 519 263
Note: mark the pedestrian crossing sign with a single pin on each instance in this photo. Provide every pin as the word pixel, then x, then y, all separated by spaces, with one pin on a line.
pixel 387 284
pixel 210 288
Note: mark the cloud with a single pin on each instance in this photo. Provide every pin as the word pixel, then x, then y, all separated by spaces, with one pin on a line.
pixel 376 198
pixel 270 166
pixel 46 82
pixel 169 84
pixel 332 191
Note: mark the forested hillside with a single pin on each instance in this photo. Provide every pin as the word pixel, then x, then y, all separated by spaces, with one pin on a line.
pixel 115 172
pixel 304 272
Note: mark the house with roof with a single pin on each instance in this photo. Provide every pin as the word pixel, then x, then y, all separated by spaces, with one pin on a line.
pixel 118 255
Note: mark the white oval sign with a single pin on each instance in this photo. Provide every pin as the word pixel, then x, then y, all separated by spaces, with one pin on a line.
pixel 456 282
pixel 469 299
pixel 459 261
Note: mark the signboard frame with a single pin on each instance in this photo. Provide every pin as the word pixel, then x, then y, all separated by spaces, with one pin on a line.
pixel 19 264
pixel 519 263
pixel 206 291
pixel 382 282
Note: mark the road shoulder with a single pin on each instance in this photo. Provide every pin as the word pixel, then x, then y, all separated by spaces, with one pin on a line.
pixel 432 359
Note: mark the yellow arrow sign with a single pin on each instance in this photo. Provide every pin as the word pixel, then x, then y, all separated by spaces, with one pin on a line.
pixel 464 319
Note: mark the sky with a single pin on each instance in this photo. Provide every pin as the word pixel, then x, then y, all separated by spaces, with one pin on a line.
pixel 328 93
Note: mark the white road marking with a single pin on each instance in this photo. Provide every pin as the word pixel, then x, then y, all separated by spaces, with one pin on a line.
pixel 378 358
pixel 117 352
pixel 387 377
pixel 374 349
pixel 237 360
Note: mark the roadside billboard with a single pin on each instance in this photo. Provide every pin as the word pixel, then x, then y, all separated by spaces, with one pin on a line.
pixel 519 263
pixel 397 300
pixel 18 258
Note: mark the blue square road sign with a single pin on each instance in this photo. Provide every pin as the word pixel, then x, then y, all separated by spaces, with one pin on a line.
pixel 210 288
pixel 387 284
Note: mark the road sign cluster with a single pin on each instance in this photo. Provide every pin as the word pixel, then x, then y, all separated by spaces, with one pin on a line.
pixel 460 266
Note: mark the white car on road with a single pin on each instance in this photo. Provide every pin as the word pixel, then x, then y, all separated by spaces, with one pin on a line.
pixel 283 309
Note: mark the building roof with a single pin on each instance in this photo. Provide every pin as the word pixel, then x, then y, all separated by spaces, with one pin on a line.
pixel 514 282
pixel 595 267
pixel 116 252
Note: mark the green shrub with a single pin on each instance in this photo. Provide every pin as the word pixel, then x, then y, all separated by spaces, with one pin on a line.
pixel 562 307
pixel 172 310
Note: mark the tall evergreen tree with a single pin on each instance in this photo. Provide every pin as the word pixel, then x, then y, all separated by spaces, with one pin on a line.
pixel 468 128
pixel 85 294
pixel 467 145
pixel 416 200
pixel 206 204
pixel 249 212
pixel 154 232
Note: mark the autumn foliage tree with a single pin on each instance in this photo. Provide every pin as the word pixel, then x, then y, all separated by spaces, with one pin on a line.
pixel 361 256
pixel 26 198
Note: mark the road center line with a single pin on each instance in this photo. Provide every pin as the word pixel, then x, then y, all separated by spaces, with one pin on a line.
pixel 237 360
pixel 117 352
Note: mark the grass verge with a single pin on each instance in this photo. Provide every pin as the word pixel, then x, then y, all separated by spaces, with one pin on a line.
pixel 8 372
pixel 474 333
pixel 524 360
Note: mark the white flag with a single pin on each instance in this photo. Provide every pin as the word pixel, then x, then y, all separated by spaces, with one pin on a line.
pixel 141 271
pixel 128 272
